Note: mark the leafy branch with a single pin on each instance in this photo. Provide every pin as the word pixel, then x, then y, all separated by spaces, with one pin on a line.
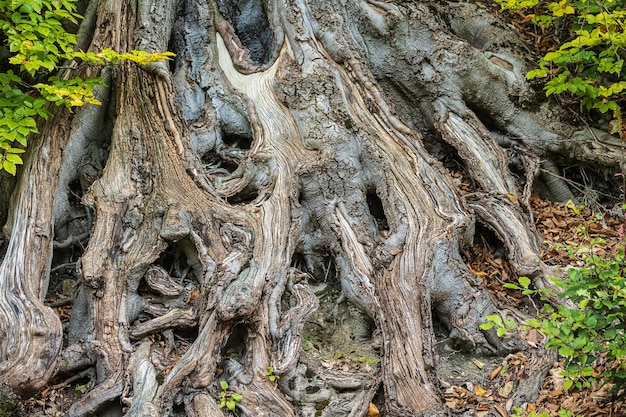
pixel 37 43
pixel 588 64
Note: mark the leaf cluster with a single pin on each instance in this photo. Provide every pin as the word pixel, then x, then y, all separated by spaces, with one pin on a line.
pixel 227 398
pixel 519 412
pixel 271 375
pixel 588 64
pixel 34 46
pixel 595 328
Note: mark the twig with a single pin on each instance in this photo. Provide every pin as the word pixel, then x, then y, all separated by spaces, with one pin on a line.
pixel 59 267
pixel 85 372
pixel 61 303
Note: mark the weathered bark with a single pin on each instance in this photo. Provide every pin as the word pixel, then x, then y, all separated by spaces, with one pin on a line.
pixel 279 176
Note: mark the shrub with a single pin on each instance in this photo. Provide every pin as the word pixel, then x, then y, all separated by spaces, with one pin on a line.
pixel 590 336
pixel 588 63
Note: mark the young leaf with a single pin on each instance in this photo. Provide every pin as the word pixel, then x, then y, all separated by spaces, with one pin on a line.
pixel 567 384
pixel 511 286
pixel 524 281
pixel 230 404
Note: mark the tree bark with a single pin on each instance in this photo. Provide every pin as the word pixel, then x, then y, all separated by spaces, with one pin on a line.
pixel 274 196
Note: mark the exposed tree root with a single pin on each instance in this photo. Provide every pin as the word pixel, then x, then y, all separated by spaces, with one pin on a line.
pixel 269 206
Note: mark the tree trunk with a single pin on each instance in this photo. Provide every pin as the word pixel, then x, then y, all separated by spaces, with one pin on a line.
pixel 273 198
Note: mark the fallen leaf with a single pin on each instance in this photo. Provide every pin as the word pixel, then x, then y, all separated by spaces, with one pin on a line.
pixel 481 391
pixel 372 411
pixel 506 390
pixel 556 393
pixel 495 372
pixel 193 295
pixel 478 364
pixel 533 337
pixel 501 410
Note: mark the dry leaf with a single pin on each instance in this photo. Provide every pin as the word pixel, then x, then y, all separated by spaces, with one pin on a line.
pixel 193 295
pixel 495 372
pixel 533 337
pixel 478 364
pixel 506 390
pixel 501 410
pixel 372 411
pixel 481 391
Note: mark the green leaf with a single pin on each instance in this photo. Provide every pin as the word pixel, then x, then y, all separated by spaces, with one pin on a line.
pixel 13 158
pixel 230 404
pixel 486 326
pixel 566 351
pixel 567 384
pixel 496 319
pixel 587 371
pixel 81 388
pixel 237 397
pixel 224 385
pixel 592 322
pixel 9 167
pixel 511 286
pixel 524 281
pixel 610 334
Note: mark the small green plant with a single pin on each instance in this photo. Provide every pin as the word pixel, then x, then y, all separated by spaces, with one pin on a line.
pixel 519 412
pixel 359 359
pixel 227 398
pixel 596 327
pixel 363 359
pixel 588 62
pixel 271 375
pixel 502 324
pixel 524 287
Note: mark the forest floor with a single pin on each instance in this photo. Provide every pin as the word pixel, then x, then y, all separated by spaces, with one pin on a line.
pixel 485 385
pixel 473 385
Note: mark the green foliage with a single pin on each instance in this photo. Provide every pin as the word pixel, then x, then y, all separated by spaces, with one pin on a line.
pixel 38 46
pixel 228 399
pixel 271 375
pixel 589 62
pixel 359 359
pixel 519 412
pixel 595 327
pixel 502 324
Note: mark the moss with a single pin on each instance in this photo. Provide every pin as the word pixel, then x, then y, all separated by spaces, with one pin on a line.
pixel 7 402
pixel 6 409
